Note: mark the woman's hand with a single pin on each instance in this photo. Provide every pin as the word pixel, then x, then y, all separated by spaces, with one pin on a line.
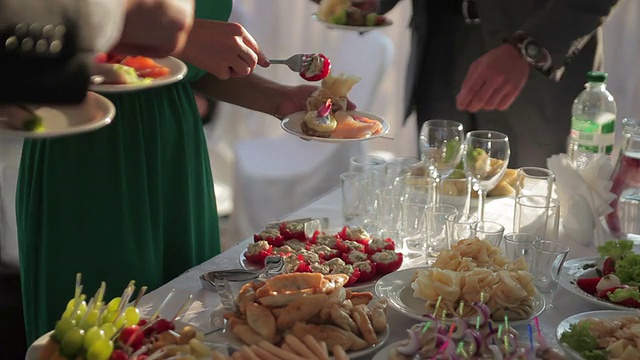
pixel 223 49
pixel 294 99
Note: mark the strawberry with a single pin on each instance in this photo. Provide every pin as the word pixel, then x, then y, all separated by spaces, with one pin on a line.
pixel 609 266
pixel 588 285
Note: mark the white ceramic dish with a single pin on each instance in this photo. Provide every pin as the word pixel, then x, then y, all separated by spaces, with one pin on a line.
pixel 360 29
pixel 396 288
pixel 177 71
pixel 234 343
pixel 93 113
pixel 574 269
pixel 599 314
pixel 383 354
pixel 291 124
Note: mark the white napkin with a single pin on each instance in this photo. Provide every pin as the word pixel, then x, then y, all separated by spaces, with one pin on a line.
pixel 584 197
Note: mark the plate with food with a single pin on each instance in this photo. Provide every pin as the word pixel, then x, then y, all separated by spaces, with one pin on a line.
pixel 352 251
pixel 602 334
pixel 97 329
pixel 285 309
pixel 116 73
pixel 343 15
pixel 44 121
pixel 469 279
pixel 608 280
pixel 327 118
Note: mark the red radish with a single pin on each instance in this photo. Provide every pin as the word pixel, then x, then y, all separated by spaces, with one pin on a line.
pixel 589 285
pixel 609 266
pixel 163 325
pixel 131 336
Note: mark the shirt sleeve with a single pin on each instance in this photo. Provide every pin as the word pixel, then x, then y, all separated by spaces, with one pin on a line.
pixel 104 23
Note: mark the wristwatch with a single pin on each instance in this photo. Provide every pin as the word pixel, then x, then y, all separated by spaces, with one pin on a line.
pixel 531 51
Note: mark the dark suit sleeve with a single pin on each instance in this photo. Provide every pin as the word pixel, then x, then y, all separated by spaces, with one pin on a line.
pixel 387 5
pixel 40 53
pixel 561 24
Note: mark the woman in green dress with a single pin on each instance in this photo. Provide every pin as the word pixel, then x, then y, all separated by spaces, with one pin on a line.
pixel 131 201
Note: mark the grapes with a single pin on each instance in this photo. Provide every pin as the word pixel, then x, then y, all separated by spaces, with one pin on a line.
pixel 109 329
pixel 62 327
pixel 71 305
pixel 132 315
pixel 122 320
pixel 109 317
pixel 92 336
pixel 100 350
pixel 72 342
pixel 119 355
pixel 91 319
pixel 163 325
pixel 113 305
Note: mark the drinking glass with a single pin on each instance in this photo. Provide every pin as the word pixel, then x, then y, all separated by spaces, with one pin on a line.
pixel 547 261
pixel 437 230
pixel 532 180
pixel 362 163
pixel 414 223
pixel 489 231
pixel 517 245
pixel 404 165
pixel 441 149
pixel 538 215
pixel 460 226
pixel 485 161
pixel 352 198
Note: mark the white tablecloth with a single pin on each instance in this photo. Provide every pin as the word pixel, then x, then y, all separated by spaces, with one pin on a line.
pixel 329 205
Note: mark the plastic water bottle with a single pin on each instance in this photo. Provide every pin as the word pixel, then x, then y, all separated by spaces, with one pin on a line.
pixel 593 119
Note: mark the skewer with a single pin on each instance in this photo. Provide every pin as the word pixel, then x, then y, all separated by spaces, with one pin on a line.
pixel 183 308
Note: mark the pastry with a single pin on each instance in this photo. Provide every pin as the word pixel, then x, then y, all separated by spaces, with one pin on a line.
pixel 321 122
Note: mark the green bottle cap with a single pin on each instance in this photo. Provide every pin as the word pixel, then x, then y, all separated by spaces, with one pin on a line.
pixel 596 76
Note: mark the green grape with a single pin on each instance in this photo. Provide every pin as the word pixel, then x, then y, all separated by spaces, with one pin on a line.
pixel 113 304
pixel 72 343
pixel 132 315
pixel 109 317
pixel 90 320
pixel 62 327
pixel 121 321
pixel 92 335
pixel 100 350
pixel 71 305
pixel 109 329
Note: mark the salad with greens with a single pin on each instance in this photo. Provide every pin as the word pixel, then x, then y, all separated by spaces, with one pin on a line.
pixel 620 275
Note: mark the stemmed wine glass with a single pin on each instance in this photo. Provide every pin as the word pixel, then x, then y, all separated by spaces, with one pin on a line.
pixel 486 157
pixel 441 149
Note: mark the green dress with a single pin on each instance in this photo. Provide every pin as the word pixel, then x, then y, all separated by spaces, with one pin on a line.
pixel 131 201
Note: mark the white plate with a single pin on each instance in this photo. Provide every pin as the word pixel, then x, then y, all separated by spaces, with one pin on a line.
pixel 177 71
pixel 383 354
pixel 93 113
pixel 599 314
pixel 227 336
pixel 33 353
pixel 396 288
pixel 573 270
pixel 291 124
pixel 361 29
pixel 251 266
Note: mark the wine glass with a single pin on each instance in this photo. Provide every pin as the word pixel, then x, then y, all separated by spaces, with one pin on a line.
pixel 441 149
pixel 486 156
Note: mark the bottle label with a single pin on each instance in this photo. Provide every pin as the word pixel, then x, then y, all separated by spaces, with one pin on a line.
pixel 593 137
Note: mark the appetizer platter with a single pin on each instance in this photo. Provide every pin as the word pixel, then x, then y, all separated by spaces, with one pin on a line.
pixel 472 272
pixel 101 330
pixel 350 251
pixel 42 121
pixel 115 73
pixel 609 280
pixel 327 118
pixel 342 15
pixel 295 305
pixel 601 335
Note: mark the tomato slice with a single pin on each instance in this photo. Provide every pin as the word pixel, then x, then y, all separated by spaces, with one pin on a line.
pixel 326 69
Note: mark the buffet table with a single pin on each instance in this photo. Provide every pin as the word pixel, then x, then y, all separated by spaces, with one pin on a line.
pixel 329 205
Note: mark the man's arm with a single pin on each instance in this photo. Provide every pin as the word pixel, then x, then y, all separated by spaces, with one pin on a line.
pixel 561 23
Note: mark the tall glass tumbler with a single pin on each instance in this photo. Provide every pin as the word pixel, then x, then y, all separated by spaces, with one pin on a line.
pixel 548 259
pixel 362 163
pixel 437 230
pixel 352 198
pixel 538 215
pixel 414 222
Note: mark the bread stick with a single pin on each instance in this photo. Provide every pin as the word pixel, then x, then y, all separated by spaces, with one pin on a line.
pixel 248 354
pixel 262 353
pixel 215 355
pixel 339 353
pixel 315 347
pixel 237 356
pixel 324 347
pixel 281 354
pixel 298 347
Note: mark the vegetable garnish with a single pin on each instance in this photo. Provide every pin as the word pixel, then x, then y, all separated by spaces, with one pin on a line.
pixel 616 249
pixel 582 341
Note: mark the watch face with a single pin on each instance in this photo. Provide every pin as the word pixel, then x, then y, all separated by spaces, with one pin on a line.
pixel 532 51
